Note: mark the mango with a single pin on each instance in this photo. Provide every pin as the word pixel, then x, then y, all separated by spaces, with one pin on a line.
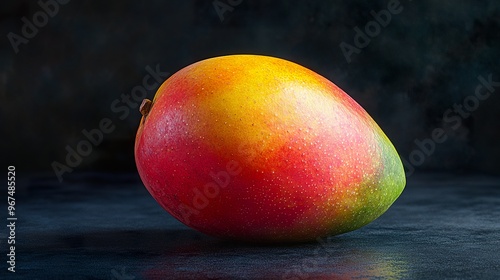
pixel 257 148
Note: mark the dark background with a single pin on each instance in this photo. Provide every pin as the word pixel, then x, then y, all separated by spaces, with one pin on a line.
pixel 89 53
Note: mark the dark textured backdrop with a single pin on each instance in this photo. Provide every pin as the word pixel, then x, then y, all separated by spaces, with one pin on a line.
pixel 67 76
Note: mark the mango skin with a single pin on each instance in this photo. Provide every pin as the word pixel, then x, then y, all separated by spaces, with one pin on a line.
pixel 304 160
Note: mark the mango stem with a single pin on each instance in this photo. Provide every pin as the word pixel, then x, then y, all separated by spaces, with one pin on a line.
pixel 145 107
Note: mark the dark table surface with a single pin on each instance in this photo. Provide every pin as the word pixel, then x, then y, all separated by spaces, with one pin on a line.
pixel 107 226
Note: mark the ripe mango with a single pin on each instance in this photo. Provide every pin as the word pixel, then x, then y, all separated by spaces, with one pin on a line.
pixel 258 148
